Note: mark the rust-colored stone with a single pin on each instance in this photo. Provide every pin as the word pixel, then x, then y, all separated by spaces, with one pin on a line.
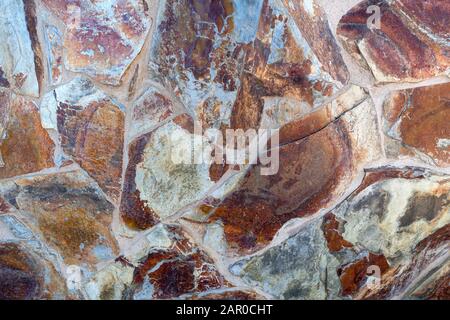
pixel 353 275
pixel 26 147
pixel 69 212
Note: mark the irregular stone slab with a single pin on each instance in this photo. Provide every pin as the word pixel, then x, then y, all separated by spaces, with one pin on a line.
pixel 299 268
pixel 20 68
pixel 68 211
pixel 313 173
pixel 412 42
pixel 24 275
pixel 387 225
pixel 223 58
pixel 91 129
pixel 158 183
pixel 115 32
pixel 391 214
pixel 168 265
pixel 54 42
pixel 419 119
pixel 430 257
pixel 21 130
pixel 149 110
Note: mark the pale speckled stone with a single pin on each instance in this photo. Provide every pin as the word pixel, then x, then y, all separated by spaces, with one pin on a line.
pixel 17 59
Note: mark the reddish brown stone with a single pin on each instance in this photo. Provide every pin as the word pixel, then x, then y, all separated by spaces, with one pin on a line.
pixel 135 212
pixel 354 274
pixel 226 62
pixel 178 270
pixel 22 131
pixel 420 117
pixel 150 110
pixel 116 31
pixel 25 276
pixel 332 229
pixel 93 134
pixel 414 52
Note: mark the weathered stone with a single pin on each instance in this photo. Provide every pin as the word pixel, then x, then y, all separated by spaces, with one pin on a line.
pixel 388 224
pixel 157 183
pixel 25 146
pixel 223 58
pixel 419 119
pixel 313 174
pixel 54 42
pixel 24 275
pixel 149 110
pixel 20 60
pixel 410 45
pixel 102 38
pixel 168 266
pixel 68 211
pixel 91 129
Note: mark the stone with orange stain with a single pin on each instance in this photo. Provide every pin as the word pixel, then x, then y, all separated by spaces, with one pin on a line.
pixel 179 268
pixel 419 119
pixel 116 32
pixel 410 44
pixel 25 146
pixel 161 177
pixel 91 130
pixel 354 274
pixel 375 229
pixel 69 211
pixel 20 53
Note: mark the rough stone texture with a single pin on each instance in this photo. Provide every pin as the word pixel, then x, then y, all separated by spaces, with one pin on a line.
pixel 25 147
pixel 116 177
pixel 91 127
pixel 411 45
pixel 53 39
pixel 68 211
pixel 402 233
pixel 155 186
pixel 102 38
pixel 419 119
pixel 223 58
pixel 19 67
pixel 313 173
pixel 24 275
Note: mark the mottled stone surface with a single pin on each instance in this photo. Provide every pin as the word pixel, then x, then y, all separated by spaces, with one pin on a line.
pixel 396 223
pixel 115 32
pixel 53 40
pixel 224 149
pixel 410 45
pixel 20 68
pixel 157 185
pixel 68 211
pixel 150 109
pixel 24 275
pixel 224 57
pixel 313 173
pixel 168 265
pixel 91 129
pixel 419 119
pixel 25 147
